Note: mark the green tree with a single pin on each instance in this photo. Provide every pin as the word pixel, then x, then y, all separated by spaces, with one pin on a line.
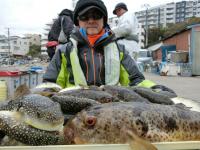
pixel 34 50
pixel 173 28
pixel 155 34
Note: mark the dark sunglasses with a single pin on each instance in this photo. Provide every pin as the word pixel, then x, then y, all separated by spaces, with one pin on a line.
pixel 86 17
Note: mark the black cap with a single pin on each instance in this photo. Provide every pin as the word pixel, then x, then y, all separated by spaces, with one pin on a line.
pixel 83 6
pixel 120 5
pixel 89 8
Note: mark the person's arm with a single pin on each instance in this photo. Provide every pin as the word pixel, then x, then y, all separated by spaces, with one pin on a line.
pixel 67 25
pixel 130 66
pixel 53 68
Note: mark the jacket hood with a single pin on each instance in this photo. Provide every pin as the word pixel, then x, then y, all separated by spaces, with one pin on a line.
pixel 66 12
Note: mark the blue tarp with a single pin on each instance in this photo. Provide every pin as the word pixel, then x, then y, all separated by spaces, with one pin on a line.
pixel 36 69
pixel 165 50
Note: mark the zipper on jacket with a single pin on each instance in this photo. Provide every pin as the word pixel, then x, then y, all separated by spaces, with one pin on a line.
pixel 92 49
pixel 94 67
pixel 100 63
pixel 85 59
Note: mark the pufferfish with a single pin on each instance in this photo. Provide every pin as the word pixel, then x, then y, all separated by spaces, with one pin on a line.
pixel 32 119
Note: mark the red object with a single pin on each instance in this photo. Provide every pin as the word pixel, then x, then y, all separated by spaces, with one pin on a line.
pixel 51 44
pixel 9 73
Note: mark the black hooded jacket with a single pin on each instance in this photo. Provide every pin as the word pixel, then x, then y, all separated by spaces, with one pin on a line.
pixel 67 24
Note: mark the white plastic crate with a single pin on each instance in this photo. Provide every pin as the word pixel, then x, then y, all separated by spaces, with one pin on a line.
pixel 185 145
pixel 24 79
pixel 32 80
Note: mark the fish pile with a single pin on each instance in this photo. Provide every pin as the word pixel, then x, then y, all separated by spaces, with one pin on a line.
pixel 97 115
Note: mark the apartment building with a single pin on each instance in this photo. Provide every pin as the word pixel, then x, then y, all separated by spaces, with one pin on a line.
pixel 168 13
pixel 196 8
pixel 44 37
pixel 74 3
pixel 16 45
pixel 34 39
pixel 112 21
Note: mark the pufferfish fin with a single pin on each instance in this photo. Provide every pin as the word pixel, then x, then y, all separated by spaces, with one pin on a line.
pixel 136 142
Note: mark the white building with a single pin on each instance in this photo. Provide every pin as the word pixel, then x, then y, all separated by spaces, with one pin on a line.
pixel 34 39
pixel 141 36
pixel 44 37
pixel 17 46
pixel 74 3
pixel 113 21
pixel 169 13
pixel 196 8
pixel 4 47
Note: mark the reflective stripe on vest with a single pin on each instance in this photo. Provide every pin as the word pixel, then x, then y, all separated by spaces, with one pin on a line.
pixel 79 77
pixel 146 83
pixel 112 64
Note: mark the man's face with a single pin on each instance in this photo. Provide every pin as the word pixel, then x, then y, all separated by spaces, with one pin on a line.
pixel 92 21
pixel 120 12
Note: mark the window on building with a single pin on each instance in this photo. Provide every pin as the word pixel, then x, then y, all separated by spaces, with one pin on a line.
pixel 3 41
pixel 15 42
pixel 4 47
pixel 16 48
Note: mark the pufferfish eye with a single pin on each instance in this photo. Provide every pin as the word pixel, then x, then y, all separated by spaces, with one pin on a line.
pixel 90 121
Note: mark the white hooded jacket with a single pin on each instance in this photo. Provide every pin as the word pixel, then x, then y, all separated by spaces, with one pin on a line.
pixel 127 29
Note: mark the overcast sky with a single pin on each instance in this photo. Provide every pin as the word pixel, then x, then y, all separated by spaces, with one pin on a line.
pixel 30 16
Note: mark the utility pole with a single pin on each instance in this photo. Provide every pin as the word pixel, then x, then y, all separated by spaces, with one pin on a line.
pixel 8 45
pixel 146 6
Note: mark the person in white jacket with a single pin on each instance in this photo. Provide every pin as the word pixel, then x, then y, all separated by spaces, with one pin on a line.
pixel 127 29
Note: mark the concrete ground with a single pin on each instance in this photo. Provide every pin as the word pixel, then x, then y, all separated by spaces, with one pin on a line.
pixel 187 87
